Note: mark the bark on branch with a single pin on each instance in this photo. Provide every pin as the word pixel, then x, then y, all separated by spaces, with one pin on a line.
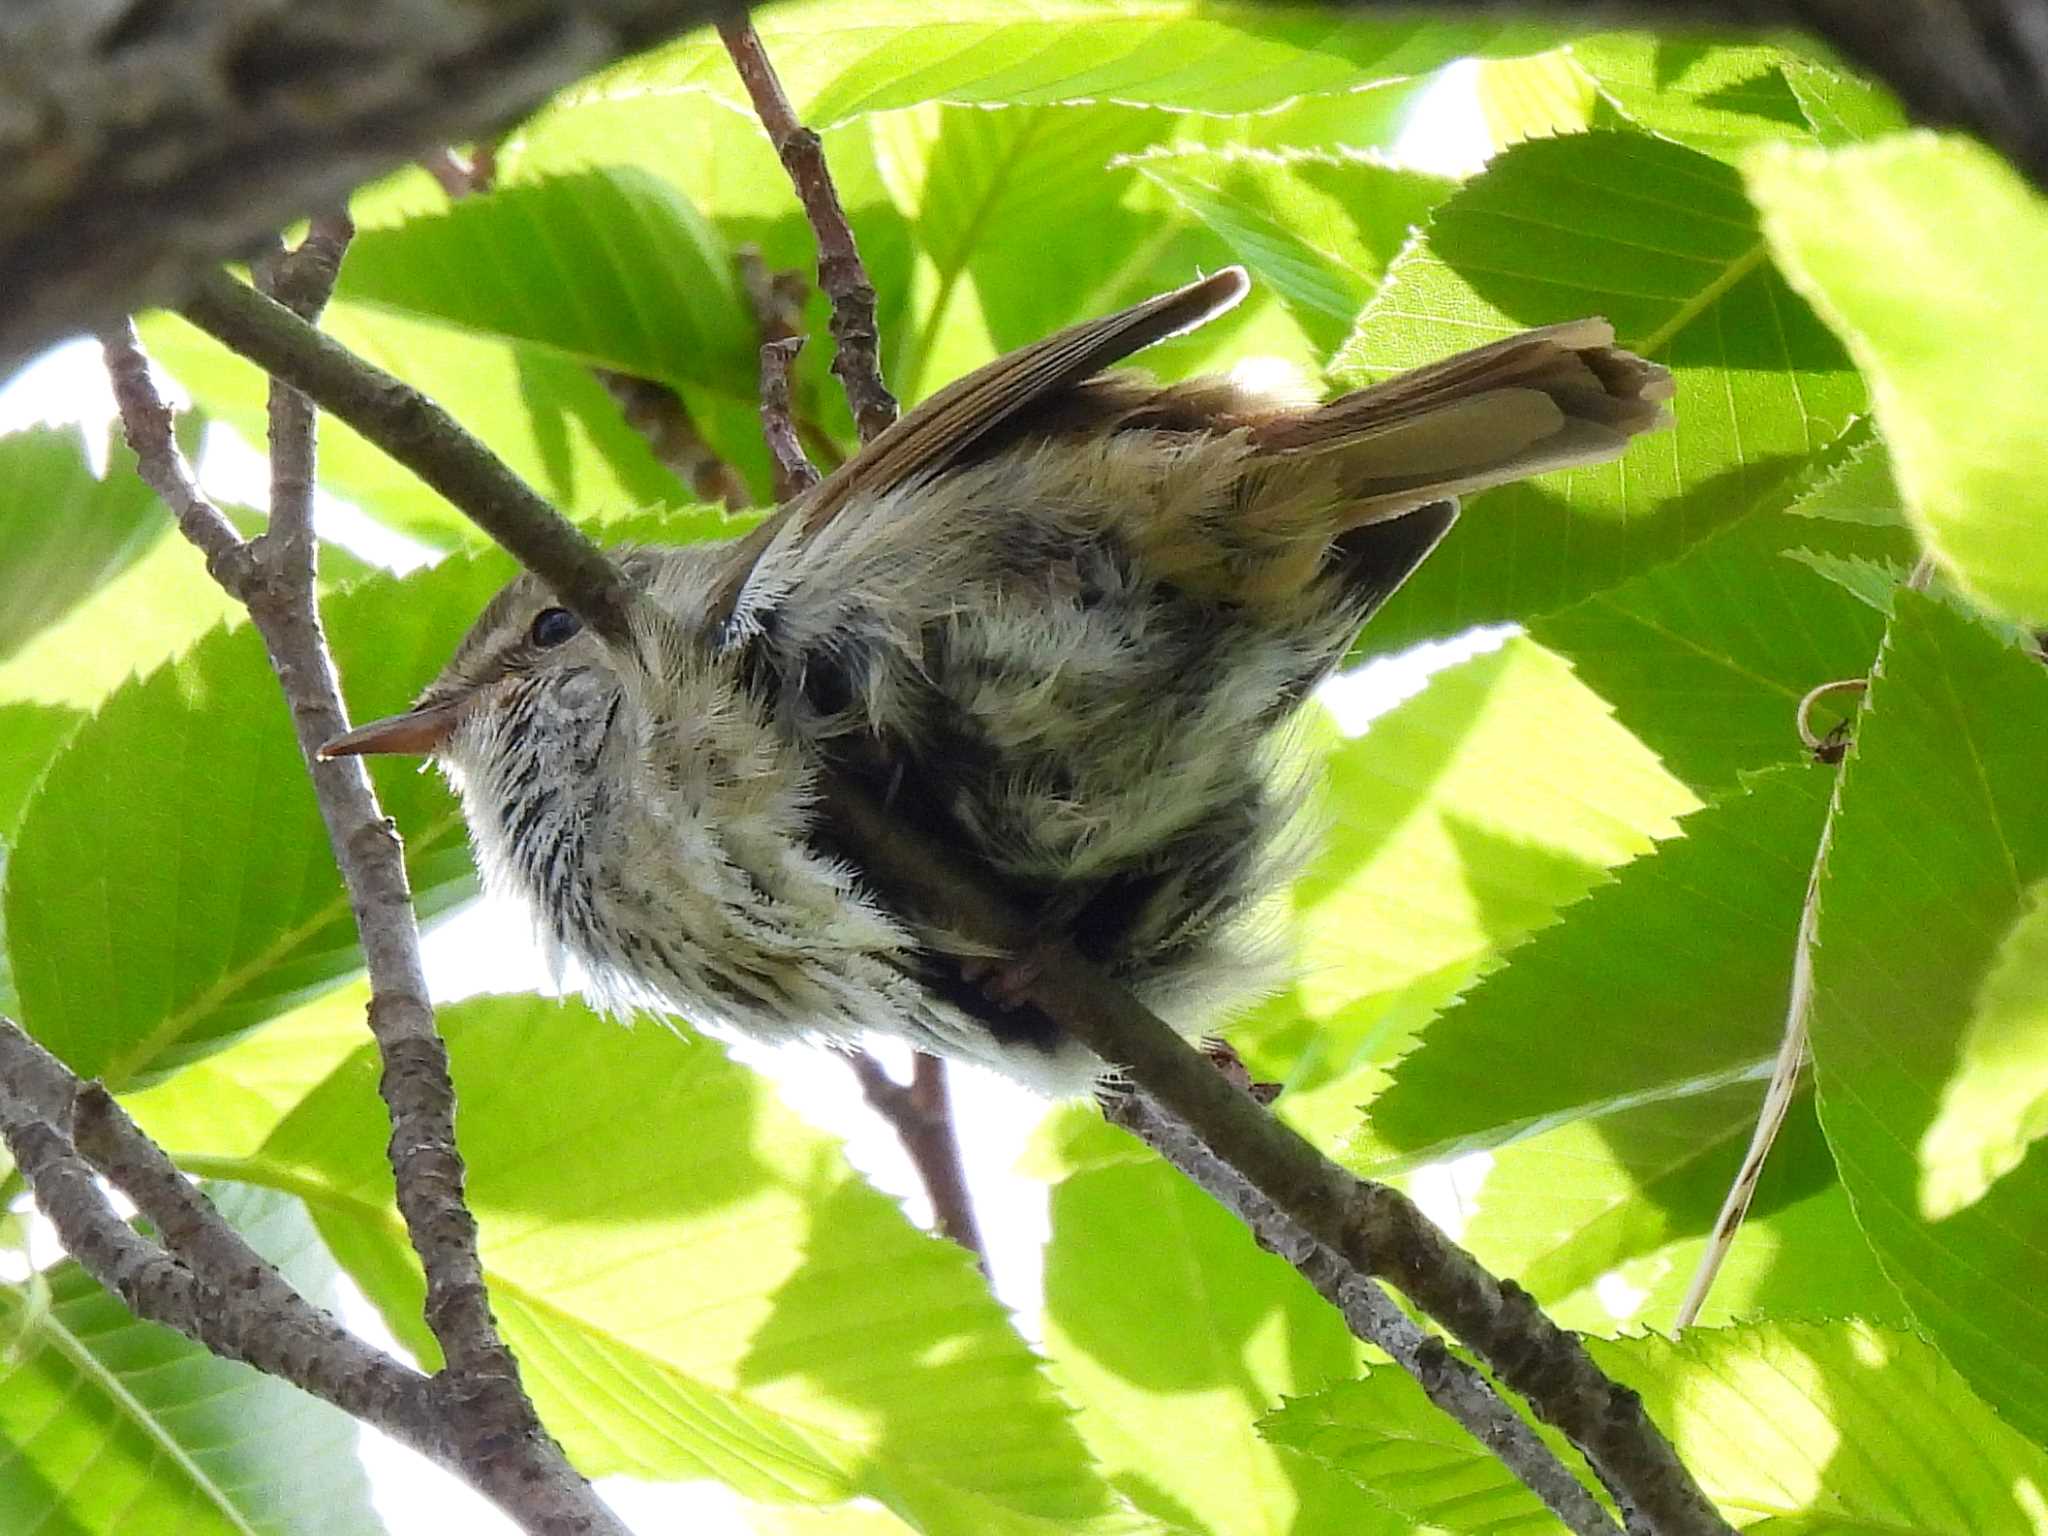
pixel 475 1415
pixel 143 143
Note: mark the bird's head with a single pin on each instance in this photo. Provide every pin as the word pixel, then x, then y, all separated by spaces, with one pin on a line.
pixel 529 675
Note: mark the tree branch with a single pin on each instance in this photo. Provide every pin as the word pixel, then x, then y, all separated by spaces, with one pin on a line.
pixel 921 1114
pixel 794 472
pixel 1455 1386
pixel 1373 1228
pixel 841 273
pixel 424 438
pixel 254 112
pixel 491 1432
pixel 142 144
pixel 211 1287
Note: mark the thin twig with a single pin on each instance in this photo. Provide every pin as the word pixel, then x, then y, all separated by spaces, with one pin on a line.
pixel 147 421
pixel 495 1437
pixel 794 472
pixel 211 1287
pixel 1373 1228
pixel 450 171
pixel 1457 1387
pixel 841 273
pixel 777 300
pixel 921 1114
pixel 664 423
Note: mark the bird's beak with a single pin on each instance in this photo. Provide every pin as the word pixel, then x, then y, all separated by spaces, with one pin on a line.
pixel 422 730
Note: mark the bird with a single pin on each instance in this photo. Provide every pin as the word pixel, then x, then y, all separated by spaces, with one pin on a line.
pixel 1061 618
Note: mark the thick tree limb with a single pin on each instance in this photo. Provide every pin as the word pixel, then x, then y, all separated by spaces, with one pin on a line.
pixel 143 142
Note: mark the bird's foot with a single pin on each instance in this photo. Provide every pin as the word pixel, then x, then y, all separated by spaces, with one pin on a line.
pixel 1224 1058
pixel 1005 980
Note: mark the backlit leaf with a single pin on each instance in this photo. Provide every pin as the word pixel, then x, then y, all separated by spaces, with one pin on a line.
pixel 1920 252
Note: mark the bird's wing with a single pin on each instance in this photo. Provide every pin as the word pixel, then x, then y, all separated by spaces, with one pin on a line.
pixel 951 422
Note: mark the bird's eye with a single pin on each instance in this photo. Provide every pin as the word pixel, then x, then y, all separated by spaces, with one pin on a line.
pixel 551 626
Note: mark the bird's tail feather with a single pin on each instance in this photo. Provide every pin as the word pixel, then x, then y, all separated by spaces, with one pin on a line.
pixel 1544 400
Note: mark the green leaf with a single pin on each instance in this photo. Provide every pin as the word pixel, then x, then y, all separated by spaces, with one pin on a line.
pixel 1707 657
pixel 1604 1219
pixel 230 1102
pixel 141 935
pixel 720 161
pixel 140 619
pixel 1672 977
pixel 63 532
pixel 34 734
pixel 982 190
pixel 695 1282
pixel 1870 582
pixel 1856 489
pixel 612 267
pixel 1172 1365
pixel 1995 1105
pixel 1533 98
pixel 1939 836
pixel 1841 108
pixel 1405 1453
pixel 1716 98
pixel 1798 1429
pixel 1460 821
pixel 1369 118
pixel 110 1424
pixel 1919 253
pixel 843 59
pixel 1319 226
pixel 1660 239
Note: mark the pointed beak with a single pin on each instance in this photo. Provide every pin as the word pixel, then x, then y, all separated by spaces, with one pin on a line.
pixel 422 731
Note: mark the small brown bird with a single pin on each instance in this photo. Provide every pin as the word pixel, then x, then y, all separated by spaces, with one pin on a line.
pixel 1059 617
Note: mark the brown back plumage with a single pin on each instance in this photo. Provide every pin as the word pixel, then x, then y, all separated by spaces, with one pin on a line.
pixel 1281 487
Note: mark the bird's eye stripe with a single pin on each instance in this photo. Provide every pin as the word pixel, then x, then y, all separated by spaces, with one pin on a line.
pixel 551 626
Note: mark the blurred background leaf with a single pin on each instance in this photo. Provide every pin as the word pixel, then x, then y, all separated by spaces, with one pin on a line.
pixel 1921 253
